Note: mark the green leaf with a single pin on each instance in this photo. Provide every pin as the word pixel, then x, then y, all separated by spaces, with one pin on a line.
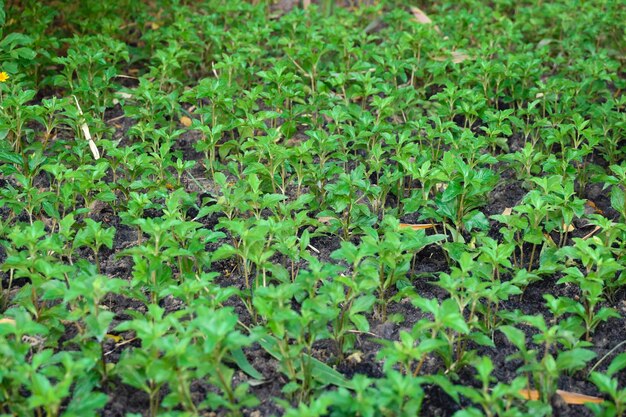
pixel 431 345
pixel 11 157
pixel 617 199
pixel 468 412
pixel 85 401
pixel 451 317
pixel 270 200
pixel 515 336
pixel 618 364
pixel 321 372
pixel 243 364
pixel 106 196
pixel 453 190
pixel 327 375
pixel 360 322
pixel 290 387
pixel 476 220
pixel 223 252
pixel 481 339
pixel 604 382
pixel 445 384
pixel 362 304
pixel 50 209
pixel 574 359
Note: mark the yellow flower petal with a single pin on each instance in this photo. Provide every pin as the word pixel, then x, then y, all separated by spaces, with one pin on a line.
pixel 3 77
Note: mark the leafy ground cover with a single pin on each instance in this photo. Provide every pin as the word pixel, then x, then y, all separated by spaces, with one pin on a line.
pixel 334 209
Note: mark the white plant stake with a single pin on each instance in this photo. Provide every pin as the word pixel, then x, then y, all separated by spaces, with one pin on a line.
pixel 87 133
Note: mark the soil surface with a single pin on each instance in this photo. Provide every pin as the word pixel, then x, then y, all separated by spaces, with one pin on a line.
pixel 367 361
pixel 431 260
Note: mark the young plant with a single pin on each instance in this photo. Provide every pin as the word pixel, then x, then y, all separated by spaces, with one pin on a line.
pixel 618 190
pixel 558 351
pixel 392 250
pixel 465 192
pixel 34 255
pixel 473 286
pixel 94 236
pixel 442 336
pixel 349 296
pixel 607 383
pixel 84 297
pixel 251 247
pixel 293 333
pixel 496 400
pixel 149 368
pixel 599 274
pixel 344 198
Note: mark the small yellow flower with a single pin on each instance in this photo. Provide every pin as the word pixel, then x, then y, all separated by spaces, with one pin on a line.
pixel 3 77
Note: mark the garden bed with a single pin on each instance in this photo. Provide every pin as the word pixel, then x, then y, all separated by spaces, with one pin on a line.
pixel 306 209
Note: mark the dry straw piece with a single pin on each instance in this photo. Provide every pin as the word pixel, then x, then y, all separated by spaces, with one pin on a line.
pixel 87 133
pixel 571 398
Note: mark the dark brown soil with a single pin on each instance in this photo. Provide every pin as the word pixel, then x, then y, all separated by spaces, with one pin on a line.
pixel 508 193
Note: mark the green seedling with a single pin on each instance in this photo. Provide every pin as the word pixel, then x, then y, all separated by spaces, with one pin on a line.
pixel 543 371
pixel 476 291
pixel 599 274
pixel 30 243
pixel 494 400
pixel 350 296
pixel 343 198
pixel 293 335
pixel 392 251
pixel 618 193
pixel 442 336
pixel 251 249
pixel 608 384
pixel 85 297
pixel 94 236
pixel 464 193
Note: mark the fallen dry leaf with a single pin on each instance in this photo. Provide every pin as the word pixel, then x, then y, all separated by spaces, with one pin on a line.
pixel 124 95
pixel 507 211
pixel 529 394
pixel 416 226
pixel 577 399
pixel 185 121
pixel 549 239
pixel 7 321
pixel 455 56
pixel 294 141
pixel 121 95
pixel 544 42
pixel 356 357
pixel 458 57
pixel 571 398
pixel 593 207
pixel 568 227
pixel 420 16
pixel 326 219
pixel 314 249
pixel 114 337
